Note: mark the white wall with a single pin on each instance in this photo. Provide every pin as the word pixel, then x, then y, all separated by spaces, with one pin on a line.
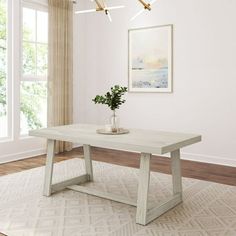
pixel 204 94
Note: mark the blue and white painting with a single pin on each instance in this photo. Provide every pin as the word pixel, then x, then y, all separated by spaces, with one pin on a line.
pixel 150 59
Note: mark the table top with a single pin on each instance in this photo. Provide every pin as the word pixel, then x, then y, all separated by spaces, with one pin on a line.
pixel 138 140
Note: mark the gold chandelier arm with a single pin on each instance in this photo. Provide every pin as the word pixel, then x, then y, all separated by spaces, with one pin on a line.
pixel 99 5
pixel 103 4
pixel 146 5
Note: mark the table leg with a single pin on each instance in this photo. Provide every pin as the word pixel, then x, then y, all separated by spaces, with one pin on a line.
pixel 143 186
pixel 88 161
pixel 176 172
pixel 49 168
pixel 145 215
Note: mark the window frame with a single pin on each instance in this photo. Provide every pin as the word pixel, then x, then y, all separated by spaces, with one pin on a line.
pixel 9 83
pixel 36 7
pixel 15 146
pixel 30 78
pixel 14 64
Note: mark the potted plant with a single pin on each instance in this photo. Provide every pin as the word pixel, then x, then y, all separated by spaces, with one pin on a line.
pixel 113 99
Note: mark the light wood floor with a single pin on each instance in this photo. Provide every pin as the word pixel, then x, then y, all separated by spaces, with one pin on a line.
pixel 197 170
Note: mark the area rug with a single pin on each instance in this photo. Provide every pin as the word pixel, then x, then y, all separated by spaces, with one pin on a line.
pixel 208 208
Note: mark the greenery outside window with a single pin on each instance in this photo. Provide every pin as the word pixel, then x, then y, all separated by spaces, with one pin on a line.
pixel 33 86
pixel 3 69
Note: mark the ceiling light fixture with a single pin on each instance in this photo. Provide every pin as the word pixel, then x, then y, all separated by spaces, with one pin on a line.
pixel 146 6
pixel 100 6
pixel 107 11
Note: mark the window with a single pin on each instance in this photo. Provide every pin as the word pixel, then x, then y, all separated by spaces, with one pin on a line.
pixel 3 70
pixel 23 76
pixel 33 86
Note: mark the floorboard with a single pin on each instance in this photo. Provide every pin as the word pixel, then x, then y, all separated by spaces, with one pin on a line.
pixel 191 169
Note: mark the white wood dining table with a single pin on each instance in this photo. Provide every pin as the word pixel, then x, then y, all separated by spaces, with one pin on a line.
pixel 145 142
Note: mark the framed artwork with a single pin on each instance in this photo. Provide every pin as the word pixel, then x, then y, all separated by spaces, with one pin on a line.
pixel 150 59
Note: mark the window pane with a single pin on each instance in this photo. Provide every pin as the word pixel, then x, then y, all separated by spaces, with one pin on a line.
pixel 33 105
pixel 33 88
pixel 42 27
pixel 42 59
pixel 3 69
pixel 29 24
pixel 29 58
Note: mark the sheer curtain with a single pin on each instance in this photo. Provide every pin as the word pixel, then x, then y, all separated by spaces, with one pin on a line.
pixel 60 66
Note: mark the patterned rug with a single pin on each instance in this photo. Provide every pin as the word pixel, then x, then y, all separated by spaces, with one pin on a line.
pixel 208 208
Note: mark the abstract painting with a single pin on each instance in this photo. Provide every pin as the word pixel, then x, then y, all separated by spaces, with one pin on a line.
pixel 150 59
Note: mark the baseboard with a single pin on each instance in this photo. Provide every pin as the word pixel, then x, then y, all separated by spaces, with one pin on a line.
pixel 208 159
pixel 76 145
pixel 186 156
pixel 21 155
pixel 25 155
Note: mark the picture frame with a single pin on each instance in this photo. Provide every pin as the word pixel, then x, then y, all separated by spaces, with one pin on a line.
pixel 150 56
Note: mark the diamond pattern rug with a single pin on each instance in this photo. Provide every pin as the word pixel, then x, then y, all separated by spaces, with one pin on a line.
pixel 208 208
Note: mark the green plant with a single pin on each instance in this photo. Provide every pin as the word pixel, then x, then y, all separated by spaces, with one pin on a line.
pixel 113 98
